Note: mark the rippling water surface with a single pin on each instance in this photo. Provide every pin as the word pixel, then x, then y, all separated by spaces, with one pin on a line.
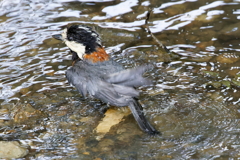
pixel 194 102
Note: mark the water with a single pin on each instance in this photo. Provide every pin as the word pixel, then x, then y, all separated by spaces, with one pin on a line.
pixel 194 103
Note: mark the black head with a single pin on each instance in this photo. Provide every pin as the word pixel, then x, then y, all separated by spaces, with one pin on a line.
pixel 85 36
pixel 80 39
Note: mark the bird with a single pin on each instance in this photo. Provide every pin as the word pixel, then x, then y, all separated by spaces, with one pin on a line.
pixel 95 74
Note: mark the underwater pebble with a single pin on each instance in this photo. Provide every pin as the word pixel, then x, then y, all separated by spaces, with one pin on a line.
pixel 24 91
pixel 227 58
pixel 106 145
pixel 203 45
pixel 4 114
pixel 176 9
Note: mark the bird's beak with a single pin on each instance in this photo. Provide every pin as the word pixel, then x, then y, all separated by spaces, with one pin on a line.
pixel 57 36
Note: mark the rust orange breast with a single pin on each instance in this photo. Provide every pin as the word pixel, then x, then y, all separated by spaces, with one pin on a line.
pixel 99 56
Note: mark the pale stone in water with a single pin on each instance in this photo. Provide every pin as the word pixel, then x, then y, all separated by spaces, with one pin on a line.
pixel 112 117
pixel 12 149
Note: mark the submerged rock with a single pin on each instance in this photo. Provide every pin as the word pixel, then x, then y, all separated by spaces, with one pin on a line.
pixel 12 149
pixel 112 117
pixel 26 113
pixel 231 31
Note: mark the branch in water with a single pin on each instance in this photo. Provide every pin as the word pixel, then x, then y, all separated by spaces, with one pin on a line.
pixel 155 38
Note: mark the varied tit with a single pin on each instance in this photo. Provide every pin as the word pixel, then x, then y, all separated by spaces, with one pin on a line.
pixel 95 74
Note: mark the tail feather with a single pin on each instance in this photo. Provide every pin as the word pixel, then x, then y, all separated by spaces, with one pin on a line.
pixel 139 116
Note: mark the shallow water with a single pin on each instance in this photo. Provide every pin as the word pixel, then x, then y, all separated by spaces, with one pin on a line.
pixel 194 102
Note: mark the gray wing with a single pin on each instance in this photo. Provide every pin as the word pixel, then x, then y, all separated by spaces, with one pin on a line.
pixel 115 95
pixel 75 79
pixel 87 84
pixel 130 77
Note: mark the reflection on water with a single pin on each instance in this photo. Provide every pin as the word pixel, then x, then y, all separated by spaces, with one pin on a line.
pixel 195 102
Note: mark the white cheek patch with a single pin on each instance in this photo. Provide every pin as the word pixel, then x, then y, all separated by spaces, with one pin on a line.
pixel 76 47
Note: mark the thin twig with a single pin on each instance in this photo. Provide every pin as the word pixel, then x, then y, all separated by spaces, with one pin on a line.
pixel 155 38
